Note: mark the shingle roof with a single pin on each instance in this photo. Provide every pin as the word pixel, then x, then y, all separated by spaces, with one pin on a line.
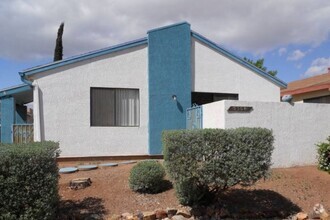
pixel 315 83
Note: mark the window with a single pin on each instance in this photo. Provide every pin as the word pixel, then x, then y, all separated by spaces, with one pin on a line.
pixel 322 99
pixel 115 107
pixel 201 98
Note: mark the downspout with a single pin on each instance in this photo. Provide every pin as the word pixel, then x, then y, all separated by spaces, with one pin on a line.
pixel 36 107
pixel 26 81
pixel 36 112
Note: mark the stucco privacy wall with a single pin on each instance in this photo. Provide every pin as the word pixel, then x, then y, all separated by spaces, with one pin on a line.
pixel 65 104
pixel 214 72
pixel 296 127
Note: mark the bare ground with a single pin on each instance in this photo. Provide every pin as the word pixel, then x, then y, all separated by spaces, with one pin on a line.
pixel 287 191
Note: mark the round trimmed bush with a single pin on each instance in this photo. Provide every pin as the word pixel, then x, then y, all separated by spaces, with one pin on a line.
pixel 147 176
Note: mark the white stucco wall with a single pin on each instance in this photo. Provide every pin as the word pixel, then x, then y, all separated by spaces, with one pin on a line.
pixel 214 115
pixel 65 97
pixel 296 127
pixel 213 72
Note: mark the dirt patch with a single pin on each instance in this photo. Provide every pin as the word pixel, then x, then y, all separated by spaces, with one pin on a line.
pixel 286 191
pixel 111 186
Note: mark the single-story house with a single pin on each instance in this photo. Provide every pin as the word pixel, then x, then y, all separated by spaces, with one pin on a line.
pixel 117 101
pixel 314 89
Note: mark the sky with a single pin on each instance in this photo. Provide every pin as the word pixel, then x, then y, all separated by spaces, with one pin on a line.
pixel 293 36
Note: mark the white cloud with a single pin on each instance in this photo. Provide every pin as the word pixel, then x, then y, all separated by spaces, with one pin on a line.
pixel 298 66
pixel 28 28
pixel 282 51
pixel 296 55
pixel 318 66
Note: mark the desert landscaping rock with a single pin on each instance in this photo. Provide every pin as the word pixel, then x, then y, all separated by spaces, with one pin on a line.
pixel 127 215
pixel 80 183
pixel 171 212
pixel 160 214
pixel 179 217
pixel 301 216
pixel 183 213
pixel 149 216
pixel 320 212
pixel 114 217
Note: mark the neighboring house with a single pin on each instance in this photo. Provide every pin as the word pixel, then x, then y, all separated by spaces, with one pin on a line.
pixel 117 101
pixel 315 89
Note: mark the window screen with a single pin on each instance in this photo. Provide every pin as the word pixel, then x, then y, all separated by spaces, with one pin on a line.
pixel 115 107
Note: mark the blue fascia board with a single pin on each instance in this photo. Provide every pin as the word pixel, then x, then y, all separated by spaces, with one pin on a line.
pixel 168 26
pixel 239 60
pixel 70 60
pixel 15 90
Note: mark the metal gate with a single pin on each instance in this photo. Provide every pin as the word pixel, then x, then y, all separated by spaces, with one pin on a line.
pixel 194 117
pixel 22 133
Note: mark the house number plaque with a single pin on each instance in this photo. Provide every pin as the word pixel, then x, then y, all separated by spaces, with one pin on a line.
pixel 238 109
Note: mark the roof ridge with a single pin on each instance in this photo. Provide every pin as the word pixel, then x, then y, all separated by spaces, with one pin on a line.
pixel 311 77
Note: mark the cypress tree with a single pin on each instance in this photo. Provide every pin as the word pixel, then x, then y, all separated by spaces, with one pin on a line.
pixel 58 54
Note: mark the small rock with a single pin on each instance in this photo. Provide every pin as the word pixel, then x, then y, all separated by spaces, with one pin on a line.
pixel 160 214
pixel 149 215
pixel 114 217
pixel 320 212
pixel 292 217
pixel 171 211
pixel 80 183
pixel 127 216
pixel 183 213
pixel 301 216
pixel 178 217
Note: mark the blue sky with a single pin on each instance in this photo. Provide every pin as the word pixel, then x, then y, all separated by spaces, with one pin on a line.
pixel 293 36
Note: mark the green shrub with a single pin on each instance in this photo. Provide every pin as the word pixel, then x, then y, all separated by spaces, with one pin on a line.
pixel 203 163
pixel 323 150
pixel 28 180
pixel 147 177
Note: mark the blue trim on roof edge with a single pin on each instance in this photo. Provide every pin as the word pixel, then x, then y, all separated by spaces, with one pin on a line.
pixel 238 59
pixel 15 90
pixel 70 60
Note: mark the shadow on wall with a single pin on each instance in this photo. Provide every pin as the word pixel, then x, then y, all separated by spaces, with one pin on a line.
pixel 257 204
pixel 69 209
pixel 179 106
